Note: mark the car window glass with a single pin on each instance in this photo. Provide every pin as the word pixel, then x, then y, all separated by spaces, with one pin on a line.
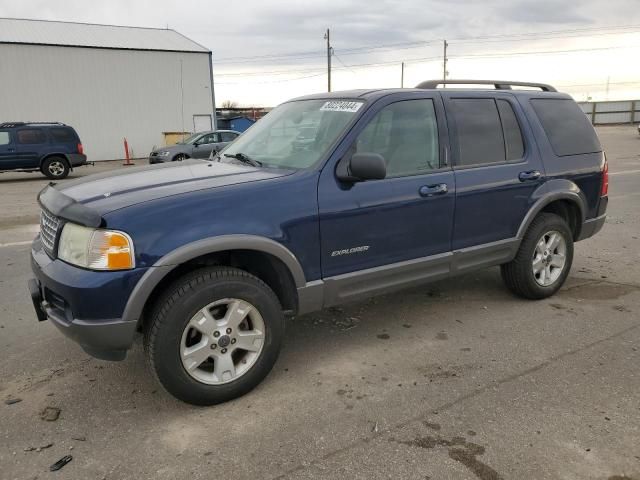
pixel 5 139
pixel 512 133
pixel 208 138
pixel 480 137
pixel 567 127
pixel 406 135
pixel 62 135
pixel 228 136
pixel 31 136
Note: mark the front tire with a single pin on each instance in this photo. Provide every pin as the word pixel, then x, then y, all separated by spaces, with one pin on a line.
pixel 55 168
pixel 544 259
pixel 214 335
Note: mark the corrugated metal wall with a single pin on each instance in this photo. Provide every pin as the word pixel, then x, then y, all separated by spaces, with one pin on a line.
pixel 603 113
pixel 105 94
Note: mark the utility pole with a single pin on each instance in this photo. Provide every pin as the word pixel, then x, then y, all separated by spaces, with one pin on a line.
pixel 402 75
pixel 444 63
pixel 327 37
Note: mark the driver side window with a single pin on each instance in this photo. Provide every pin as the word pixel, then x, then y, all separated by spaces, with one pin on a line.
pixel 406 134
pixel 209 138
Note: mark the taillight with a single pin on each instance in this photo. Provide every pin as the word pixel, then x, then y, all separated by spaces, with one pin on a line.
pixel 80 149
pixel 604 189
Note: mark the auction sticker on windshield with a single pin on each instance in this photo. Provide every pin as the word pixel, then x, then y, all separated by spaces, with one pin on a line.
pixel 341 106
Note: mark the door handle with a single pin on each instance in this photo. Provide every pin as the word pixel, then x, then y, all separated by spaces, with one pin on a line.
pixel 529 176
pixel 431 190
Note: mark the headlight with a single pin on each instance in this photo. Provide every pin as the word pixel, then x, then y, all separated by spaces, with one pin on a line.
pixel 95 249
pixel 164 153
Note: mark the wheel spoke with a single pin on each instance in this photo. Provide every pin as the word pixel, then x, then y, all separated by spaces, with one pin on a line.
pixel 223 367
pixel 537 264
pixel 540 246
pixel 553 242
pixel 237 311
pixel 543 273
pixel 250 341
pixel 194 356
pixel 547 275
pixel 557 260
pixel 204 322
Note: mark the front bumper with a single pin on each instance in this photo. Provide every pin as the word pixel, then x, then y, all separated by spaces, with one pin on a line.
pixel 85 306
pixel 158 159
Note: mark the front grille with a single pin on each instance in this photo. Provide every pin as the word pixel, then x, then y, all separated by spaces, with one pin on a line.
pixel 49 225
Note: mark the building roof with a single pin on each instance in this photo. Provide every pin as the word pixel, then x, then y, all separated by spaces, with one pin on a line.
pixel 69 34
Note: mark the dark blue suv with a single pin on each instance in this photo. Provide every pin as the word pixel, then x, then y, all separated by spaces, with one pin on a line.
pixel 391 188
pixel 52 148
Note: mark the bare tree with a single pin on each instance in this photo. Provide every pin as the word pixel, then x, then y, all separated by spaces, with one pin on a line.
pixel 229 104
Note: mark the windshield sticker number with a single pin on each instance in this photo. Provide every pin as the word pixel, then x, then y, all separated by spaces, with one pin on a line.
pixel 341 106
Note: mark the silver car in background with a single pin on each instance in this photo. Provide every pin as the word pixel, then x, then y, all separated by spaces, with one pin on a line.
pixel 198 145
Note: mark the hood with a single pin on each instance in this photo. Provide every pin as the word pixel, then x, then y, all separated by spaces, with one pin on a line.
pixel 110 191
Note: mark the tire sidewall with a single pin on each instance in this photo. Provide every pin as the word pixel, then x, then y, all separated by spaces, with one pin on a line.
pixel 167 361
pixel 554 223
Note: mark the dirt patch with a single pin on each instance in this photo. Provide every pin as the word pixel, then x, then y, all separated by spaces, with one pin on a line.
pixel 598 291
pixel 460 450
pixel 383 336
pixel 442 336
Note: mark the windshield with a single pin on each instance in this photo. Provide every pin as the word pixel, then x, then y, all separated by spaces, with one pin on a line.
pixel 295 134
pixel 190 140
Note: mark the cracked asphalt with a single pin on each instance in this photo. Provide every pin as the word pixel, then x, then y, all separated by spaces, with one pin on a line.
pixel 453 380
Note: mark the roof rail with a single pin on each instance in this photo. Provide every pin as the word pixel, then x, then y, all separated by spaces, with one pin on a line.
pixel 22 124
pixel 497 84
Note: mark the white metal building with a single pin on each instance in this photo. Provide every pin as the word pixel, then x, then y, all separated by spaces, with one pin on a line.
pixel 108 82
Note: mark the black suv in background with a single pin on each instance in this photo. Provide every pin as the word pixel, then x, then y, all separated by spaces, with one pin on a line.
pixel 51 148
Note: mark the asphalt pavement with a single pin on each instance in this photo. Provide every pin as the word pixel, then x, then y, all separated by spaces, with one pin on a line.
pixel 454 380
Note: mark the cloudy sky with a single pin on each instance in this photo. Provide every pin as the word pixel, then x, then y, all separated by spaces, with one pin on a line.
pixel 266 51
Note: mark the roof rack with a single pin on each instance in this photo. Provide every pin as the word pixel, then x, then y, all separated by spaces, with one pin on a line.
pixel 497 84
pixel 22 124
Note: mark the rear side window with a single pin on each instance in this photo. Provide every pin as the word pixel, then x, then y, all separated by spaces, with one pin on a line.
pixel 31 136
pixel 228 136
pixel 62 135
pixel 4 138
pixel 480 137
pixel 567 127
pixel 513 143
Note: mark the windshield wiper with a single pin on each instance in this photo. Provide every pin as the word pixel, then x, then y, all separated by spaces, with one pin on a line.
pixel 244 158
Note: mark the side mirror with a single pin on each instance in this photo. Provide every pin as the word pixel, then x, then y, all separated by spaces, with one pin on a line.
pixel 363 166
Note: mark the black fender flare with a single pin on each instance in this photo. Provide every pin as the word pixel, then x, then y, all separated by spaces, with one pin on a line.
pixel 157 272
pixel 551 191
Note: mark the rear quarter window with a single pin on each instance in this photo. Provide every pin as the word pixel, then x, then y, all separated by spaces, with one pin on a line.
pixel 62 135
pixel 567 127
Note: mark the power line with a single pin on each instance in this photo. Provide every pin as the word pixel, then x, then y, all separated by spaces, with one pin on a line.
pixel 273 81
pixel 417 44
pixel 541 52
pixel 425 59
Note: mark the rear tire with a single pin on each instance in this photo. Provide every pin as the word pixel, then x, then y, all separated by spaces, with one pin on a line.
pixel 214 335
pixel 55 168
pixel 543 261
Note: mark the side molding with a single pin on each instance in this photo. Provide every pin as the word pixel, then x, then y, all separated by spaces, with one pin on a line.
pixel 155 274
